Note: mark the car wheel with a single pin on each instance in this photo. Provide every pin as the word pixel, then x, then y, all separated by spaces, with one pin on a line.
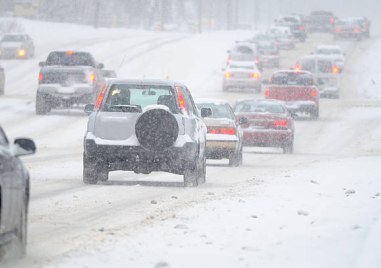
pixel 42 104
pixel 90 175
pixel 202 171
pixel 288 148
pixel 315 114
pixel 192 175
pixel 236 159
pixel 102 171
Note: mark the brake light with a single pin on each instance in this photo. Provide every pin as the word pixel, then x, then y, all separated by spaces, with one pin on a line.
pixel 356 30
pixel 70 52
pixel 332 20
pixel 255 75
pixel 224 131
pixel 40 77
pixel 257 61
pixel 100 98
pixel 314 92
pixel 267 92
pixel 301 28
pixel 297 68
pixel 281 123
pixel 335 69
pixel 228 75
pixel 338 29
pixel 181 99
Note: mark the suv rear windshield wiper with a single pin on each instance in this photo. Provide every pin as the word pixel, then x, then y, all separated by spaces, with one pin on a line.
pixel 125 108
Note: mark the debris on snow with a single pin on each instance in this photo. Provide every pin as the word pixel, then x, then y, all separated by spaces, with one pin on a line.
pixel 303 213
pixel 349 192
pixel 161 264
pixel 174 197
pixel 181 226
pixel 153 202
pixel 210 193
pixel 314 182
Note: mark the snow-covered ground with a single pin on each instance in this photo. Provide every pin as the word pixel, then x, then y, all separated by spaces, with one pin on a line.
pixel 319 207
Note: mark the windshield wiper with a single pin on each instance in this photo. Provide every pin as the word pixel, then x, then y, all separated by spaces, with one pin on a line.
pixel 126 108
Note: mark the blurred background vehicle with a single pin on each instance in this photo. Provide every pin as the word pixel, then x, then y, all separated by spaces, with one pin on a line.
pixel 296 25
pixel 268 51
pixel 283 36
pixel 109 73
pixel 298 91
pixel 334 52
pixel 18 46
pixel 14 195
pixel 224 136
pixel 244 51
pixel 2 80
pixel 242 75
pixel 349 28
pixel 267 124
pixel 321 21
pixel 365 25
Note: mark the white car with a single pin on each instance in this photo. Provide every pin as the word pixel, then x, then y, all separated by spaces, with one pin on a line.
pixel 244 51
pixel 334 52
pixel 242 75
pixel 283 36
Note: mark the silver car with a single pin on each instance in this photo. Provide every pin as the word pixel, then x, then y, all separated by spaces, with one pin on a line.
pixel 145 126
pixel 14 196
pixel 242 75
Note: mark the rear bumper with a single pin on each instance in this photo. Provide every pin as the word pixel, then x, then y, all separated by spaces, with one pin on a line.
pixel 267 137
pixel 302 106
pixel 77 94
pixel 221 149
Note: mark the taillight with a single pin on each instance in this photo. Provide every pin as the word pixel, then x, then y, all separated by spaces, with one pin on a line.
pixel 281 123
pixel 224 130
pixel 228 75
pixel 100 98
pixel 257 61
pixel 267 92
pixel 70 52
pixel 332 20
pixel 181 99
pixel 40 77
pixel 337 29
pixel 297 68
pixel 356 30
pixel 335 69
pixel 314 92
pixel 301 28
pixel 255 75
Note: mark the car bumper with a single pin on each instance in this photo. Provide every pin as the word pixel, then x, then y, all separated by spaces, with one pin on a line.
pixel 267 137
pixel 80 93
pixel 302 106
pixel 219 149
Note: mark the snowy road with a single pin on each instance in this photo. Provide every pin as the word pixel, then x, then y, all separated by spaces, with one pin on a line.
pixel 319 207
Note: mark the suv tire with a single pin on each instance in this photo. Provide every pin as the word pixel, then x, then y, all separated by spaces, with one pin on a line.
pixel 42 104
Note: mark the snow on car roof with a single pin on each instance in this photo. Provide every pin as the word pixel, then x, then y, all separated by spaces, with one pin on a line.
pixel 157 82
pixel 328 47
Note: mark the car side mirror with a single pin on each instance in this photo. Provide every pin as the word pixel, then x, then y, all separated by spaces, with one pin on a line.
pixel 206 112
pixel 100 66
pixel 41 63
pixel 243 120
pixel 89 108
pixel 24 147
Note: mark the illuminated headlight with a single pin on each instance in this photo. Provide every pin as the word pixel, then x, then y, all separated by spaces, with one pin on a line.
pixel 22 53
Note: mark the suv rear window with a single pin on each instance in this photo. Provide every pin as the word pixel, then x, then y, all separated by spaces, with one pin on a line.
pixel 70 59
pixel 125 97
pixel 289 78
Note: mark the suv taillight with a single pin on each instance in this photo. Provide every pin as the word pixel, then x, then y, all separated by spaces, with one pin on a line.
pixel 40 77
pixel 100 98
pixel 223 130
pixel 267 92
pixel 314 92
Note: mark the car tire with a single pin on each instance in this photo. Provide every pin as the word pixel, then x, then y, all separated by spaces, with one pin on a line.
pixel 236 159
pixel 314 115
pixel 202 171
pixel 90 175
pixel 42 104
pixel 288 148
pixel 194 175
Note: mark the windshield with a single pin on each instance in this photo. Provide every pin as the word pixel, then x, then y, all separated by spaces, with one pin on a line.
pixel 13 38
pixel 329 51
pixel 247 67
pixel 122 96
pixel 259 107
pixel 290 78
pixel 218 110
pixel 70 59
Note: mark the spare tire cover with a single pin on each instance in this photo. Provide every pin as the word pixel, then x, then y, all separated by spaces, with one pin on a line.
pixel 156 129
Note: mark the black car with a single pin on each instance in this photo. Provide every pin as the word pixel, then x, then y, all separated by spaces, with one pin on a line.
pixel 145 126
pixel 321 21
pixel 66 79
pixel 14 195
pixel 349 28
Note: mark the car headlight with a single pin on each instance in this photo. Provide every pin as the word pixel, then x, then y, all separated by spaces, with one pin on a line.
pixel 22 52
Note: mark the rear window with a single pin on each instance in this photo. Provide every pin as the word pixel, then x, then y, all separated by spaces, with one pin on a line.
pixel 64 77
pixel 247 67
pixel 243 50
pixel 13 38
pixel 122 97
pixel 328 51
pixel 296 78
pixel 259 107
pixel 218 110
pixel 70 59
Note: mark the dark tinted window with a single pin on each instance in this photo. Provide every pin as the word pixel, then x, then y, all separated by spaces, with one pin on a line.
pixel 13 38
pixel 70 59
pixel 289 78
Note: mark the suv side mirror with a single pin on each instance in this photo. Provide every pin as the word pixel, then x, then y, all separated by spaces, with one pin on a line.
pixel 89 108
pixel 243 120
pixel 206 112
pixel 24 147
pixel 41 63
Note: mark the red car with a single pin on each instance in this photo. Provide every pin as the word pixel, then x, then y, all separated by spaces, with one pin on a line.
pixel 296 89
pixel 269 124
